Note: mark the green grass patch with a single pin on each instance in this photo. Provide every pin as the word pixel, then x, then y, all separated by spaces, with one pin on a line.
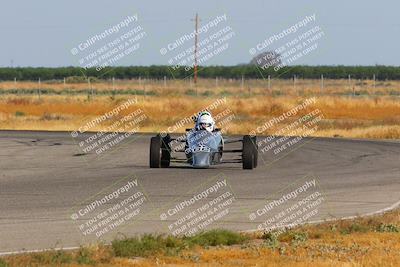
pixel 84 256
pixel 207 93
pixel 190 92
pixel 355 228
pixel 19 113
pixel 225 93
pixel 147 245
pixel 216 238
pixel 52 258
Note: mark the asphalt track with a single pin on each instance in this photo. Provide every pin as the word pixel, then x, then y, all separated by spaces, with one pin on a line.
pixel 45 178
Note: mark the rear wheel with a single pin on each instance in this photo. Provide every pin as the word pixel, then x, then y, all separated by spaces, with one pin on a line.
pixel 160 154
pixel 248 155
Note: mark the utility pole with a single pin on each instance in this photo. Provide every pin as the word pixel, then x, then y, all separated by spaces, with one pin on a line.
pixel 196 25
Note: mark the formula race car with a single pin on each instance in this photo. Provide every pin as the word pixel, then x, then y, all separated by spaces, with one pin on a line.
pixel 202 149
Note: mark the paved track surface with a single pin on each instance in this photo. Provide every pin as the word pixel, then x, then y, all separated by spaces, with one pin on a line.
pixel 45 178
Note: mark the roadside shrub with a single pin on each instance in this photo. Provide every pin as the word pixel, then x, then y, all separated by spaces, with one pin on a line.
pixel 388 228
pixel 271 240
pixel 207 93
pixel 355 228
pixel 154 244
pixel 50 116
pixel 294 237
pixel 60 257
pixel 215 238
pixel 19 113
pixel 225 93
pixel 299 237
pixel 84 256
pixel 190 92
pixel 145 245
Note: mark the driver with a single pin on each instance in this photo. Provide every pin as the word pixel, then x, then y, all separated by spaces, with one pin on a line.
pixel 204 121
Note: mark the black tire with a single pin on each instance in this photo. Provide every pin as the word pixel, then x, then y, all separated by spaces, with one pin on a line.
pixel 155 152
pixel 160 155
pixel 188 154
pixel 248 153
pixel 165 152
pixel 255 147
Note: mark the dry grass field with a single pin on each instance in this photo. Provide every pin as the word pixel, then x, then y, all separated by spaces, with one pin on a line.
pixel 373 113
pixel 368 241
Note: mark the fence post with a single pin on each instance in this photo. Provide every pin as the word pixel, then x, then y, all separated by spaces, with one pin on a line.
pixel 294 82
pixel 165 81
pixel 269 82
pixel 242 84
pixel 374 81
pixel 349 81
pixel 216 81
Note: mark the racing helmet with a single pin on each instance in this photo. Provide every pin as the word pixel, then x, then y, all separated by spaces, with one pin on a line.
pixel 205 121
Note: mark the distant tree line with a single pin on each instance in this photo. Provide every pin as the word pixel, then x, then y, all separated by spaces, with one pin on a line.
pixel 234 72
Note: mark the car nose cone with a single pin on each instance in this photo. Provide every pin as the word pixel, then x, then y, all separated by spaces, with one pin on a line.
pixel 201 159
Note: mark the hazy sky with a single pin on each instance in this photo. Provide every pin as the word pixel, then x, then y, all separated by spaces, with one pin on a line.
pixel 43 32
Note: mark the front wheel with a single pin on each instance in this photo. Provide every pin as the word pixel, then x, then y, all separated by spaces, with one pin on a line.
pixel 160 155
